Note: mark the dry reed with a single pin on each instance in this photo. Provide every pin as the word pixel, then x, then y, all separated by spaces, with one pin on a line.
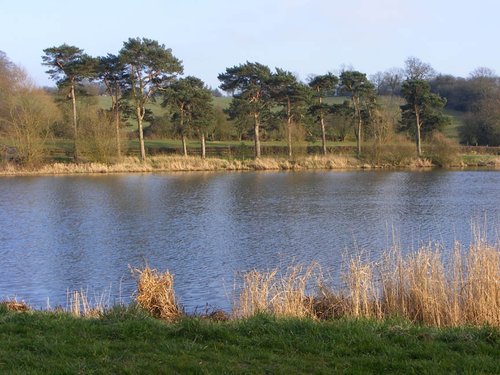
pixel 168 163
pixel 424 288
pixel 163 163
pixel 427 287
pixel 361 290
pixel 14 305
pixel 79 304
pixel 420 286
pixel 155 293
pixel 281 295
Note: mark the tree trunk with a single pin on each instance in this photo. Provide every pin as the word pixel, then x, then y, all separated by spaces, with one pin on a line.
pixel 203 146
pixel 357 111
pixel 289 128
pixel 417 132
pixel 323 133
pixel 323 129
pixel 140 115
pixel 256 134
pixel 359 136
pixel 184 146
pixel 116 113
pixel 75 123
pixel 184 141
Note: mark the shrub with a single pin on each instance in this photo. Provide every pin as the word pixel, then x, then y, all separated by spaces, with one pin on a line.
pixel 442 151
pixel 397 151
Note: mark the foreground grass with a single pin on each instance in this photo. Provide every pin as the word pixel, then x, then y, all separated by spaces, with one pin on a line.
pixel 126 340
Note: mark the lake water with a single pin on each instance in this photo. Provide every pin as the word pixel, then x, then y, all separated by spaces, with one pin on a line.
pixel 83 232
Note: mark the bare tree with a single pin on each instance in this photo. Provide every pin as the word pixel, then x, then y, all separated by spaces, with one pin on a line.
pixel 393 79
pixel 417 69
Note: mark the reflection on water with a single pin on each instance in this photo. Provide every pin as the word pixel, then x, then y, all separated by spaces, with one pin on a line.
pixel 74 232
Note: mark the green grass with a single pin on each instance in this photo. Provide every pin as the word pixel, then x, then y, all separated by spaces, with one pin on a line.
pixel 127 341
pixel 249 143
pixel 478 160
pixel 452 130
pixel 158 110
pixel 222 102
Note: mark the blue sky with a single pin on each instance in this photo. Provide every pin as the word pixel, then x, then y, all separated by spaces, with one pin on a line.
pixel 304 36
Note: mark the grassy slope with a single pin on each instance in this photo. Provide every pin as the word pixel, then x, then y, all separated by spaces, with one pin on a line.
pixel 452 130
pixel 131 342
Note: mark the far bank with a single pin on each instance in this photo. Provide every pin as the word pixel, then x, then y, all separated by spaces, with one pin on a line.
pixel 164 163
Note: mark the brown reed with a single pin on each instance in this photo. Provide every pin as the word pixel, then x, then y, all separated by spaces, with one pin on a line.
pixel 79 304
pixel 275 293
pixel 14 305
pixel 427 287
pixel 166 163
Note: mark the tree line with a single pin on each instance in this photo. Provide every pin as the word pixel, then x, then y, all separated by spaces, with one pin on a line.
pixel 263 101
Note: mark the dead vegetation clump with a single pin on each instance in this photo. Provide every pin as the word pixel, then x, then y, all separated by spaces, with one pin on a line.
pixel 155 293
pixel 15 306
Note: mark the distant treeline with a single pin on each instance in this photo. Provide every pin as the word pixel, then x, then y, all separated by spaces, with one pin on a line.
pixel 101 102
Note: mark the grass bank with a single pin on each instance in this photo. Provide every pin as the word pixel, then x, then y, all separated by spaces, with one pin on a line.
pixel 164 163
pixel 128 341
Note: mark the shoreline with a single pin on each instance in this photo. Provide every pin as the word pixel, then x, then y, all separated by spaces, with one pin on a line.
pixel 162 164
pixel 424 287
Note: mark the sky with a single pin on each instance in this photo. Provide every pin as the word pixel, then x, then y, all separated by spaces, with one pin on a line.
pixel 306 37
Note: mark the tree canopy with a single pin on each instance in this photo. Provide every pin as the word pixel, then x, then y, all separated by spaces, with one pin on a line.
pixel 191 106
pixel 250 83
pixel 422 112
pixel 322 86
pixel 69 65
pixel 362 92
pixel 149 67
pixel 268 104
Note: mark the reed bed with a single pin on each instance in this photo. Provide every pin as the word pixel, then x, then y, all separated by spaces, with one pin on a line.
pixel 167 163
pixel 164 163
pixel 421 287
pixel 78 304
pixel 272 292
pixel 430 286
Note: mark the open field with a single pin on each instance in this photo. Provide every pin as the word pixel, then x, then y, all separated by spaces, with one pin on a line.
pixel 452 130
